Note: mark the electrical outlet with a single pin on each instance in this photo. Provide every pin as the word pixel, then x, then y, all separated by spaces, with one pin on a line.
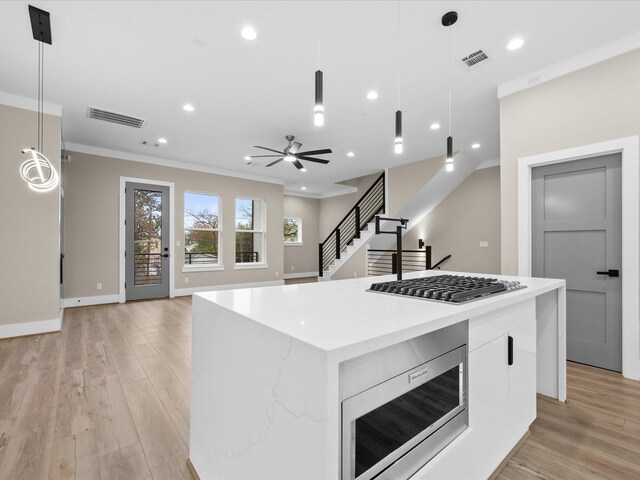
pixel 177 243
pixel 277 273
pixel 186 279
pixel 292 268
pixel 98 286
pixel 484 244
pixel 355 274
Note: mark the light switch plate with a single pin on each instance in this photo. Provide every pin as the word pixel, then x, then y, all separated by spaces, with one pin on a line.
pixel 484 244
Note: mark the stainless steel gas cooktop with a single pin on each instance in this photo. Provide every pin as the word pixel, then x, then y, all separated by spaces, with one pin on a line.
pixel 447 288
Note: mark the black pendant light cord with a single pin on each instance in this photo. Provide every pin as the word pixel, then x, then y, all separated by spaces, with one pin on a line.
pixel 398 55
pixel 449 75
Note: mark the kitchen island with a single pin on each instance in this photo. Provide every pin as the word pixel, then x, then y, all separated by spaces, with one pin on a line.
pixel 266 372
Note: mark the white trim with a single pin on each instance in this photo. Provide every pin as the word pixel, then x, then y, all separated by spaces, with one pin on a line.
pixel 629 147
pixel 599 54
pixel 30 328
pixel 84 301
pixel 123 243
pixel 489 164
pixel 288 276
pixel 250 266
pixel 29 104
pixel 320 196
pixel 204 267
pixel 181 292
pixel 196 167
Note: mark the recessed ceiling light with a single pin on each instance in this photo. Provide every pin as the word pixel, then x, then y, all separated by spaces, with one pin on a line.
pixel 247 158
pixel 303 188
pixel 372 95
pixel 162 140
pixel 515 44
pixel 303 170
pixel 187 107
pixel 249 33
pixel 434 126
pixel 475 145
pixel 350 154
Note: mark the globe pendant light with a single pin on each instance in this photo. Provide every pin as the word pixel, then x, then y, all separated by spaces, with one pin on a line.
pixel 37 170
pixel 449 19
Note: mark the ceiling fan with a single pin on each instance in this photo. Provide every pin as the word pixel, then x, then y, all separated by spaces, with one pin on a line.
pixel 293 154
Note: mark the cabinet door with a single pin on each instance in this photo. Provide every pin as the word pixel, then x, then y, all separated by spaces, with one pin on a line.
pixel 488 387
pixel 522 379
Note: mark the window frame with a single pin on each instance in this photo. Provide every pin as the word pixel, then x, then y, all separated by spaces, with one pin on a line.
pixel 206 267
pixel 251 265
pixel 299 242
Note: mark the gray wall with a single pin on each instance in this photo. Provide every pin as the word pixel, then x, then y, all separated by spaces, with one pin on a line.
pixel 469 215
pixel 302 258
pixel 92 223
pixel 30 281
pixel 595 104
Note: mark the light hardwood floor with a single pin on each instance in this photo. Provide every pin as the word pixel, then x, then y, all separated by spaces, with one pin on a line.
pixel 108 398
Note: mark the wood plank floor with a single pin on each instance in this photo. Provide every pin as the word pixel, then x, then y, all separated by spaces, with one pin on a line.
pixel 108 398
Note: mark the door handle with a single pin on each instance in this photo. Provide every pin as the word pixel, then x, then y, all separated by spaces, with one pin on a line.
pixel 611 273
pixel 166 255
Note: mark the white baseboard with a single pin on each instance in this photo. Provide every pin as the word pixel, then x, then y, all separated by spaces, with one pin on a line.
pixel 288 276
pixel 83 301
pixel 30 328
pixel 181 292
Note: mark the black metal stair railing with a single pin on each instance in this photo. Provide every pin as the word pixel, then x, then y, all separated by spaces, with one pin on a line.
pixel 369 205
pixel 384 262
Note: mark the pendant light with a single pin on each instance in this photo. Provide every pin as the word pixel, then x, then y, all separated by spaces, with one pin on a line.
pixel 397 147
pixel 449 19
pixel 37 170
pixel 318 109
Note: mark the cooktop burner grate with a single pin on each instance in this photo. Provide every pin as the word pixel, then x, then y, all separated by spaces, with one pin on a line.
pixel 447 288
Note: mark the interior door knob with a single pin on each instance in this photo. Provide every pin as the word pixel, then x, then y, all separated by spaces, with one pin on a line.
pixel 611 273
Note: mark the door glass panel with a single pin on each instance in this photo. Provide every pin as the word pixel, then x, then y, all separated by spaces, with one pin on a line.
pixel 147 237
pixel 390 426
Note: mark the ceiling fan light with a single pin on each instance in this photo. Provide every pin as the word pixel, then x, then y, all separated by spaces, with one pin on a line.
pixel 290 158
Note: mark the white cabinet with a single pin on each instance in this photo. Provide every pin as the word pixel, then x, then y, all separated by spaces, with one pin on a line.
pixel 522 379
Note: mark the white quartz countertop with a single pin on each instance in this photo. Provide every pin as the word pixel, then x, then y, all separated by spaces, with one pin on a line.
pixel 341 317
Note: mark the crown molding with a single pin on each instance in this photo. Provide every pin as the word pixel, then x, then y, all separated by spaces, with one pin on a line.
pixel 29 104
pixel 135 157
pixel 597 55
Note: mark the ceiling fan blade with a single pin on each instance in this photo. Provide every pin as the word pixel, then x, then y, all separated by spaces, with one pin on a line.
pixel 270 149
pixel 310 159
pixel 295 146
pixel 277 161
pixel 298 164
pixel 262 156
pixel 316 152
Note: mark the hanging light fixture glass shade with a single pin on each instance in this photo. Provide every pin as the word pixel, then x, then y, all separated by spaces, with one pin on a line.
pixel 449 163
pixel 318 111
pixel 398 141
pixel 38 172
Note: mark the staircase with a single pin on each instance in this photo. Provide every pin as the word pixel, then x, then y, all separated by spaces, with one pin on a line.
pixel 354 230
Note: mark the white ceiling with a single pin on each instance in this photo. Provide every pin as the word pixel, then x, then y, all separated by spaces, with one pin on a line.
pixel 147 59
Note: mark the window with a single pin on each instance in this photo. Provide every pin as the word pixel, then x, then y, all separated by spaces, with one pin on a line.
pixel 250 234
pixel 201 231
pixel 292 231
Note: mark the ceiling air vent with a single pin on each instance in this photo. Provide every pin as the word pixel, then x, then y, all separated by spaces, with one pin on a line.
pixel 475 58
pixel 99 114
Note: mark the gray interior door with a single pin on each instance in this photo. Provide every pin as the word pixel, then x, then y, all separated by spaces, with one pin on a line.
pixel 147 241
pixel 577 235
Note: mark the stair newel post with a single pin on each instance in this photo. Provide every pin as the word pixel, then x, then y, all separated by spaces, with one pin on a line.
pixel 337 244
pixel 399 259
pixel 320 266
pixel 427 257
pixel 357 221
pixel 394 263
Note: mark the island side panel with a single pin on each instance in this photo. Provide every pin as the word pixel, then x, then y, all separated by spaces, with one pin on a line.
pixel 552 354
pixel 258 401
